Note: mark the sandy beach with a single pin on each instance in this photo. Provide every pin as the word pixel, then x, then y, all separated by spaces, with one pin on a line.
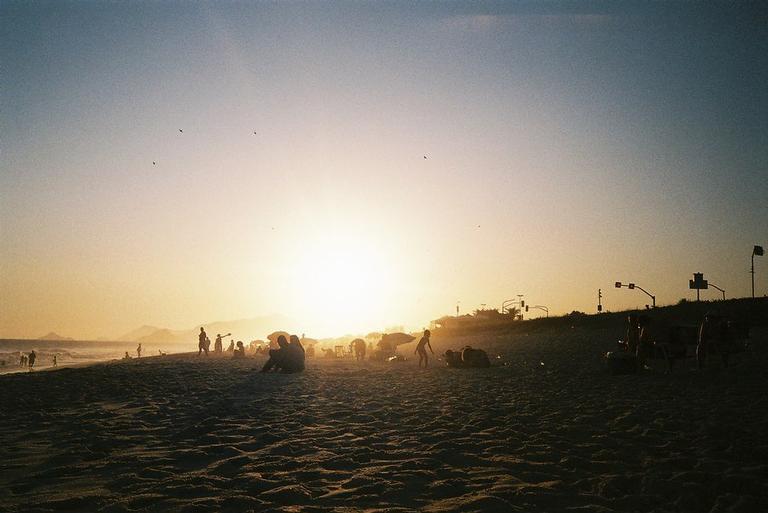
pixel 550 431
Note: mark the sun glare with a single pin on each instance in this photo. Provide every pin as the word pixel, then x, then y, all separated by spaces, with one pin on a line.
pixel 342 287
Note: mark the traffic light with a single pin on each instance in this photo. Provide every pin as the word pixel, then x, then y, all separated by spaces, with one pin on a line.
pixel 526 308
pixel 631 285
pixel 522 303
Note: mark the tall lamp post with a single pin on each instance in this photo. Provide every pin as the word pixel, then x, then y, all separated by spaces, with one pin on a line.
pixel 633 286
pixel 756 251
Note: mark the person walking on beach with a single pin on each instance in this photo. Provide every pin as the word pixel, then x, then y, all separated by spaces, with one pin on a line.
pixel 203 342
pixel 32 358
pixel 422 352
pixel 138 350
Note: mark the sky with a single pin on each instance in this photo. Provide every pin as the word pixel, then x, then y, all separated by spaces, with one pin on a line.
pixel 359 165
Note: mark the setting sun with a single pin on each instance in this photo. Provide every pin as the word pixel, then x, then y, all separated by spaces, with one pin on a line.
pixel 341 283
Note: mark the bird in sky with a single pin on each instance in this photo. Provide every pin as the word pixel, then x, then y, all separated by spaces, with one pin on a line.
pixel 154 163
pixel 180 130
pixel 425 157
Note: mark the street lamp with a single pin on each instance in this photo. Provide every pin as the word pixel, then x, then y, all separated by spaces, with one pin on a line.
pixel 718 288
pixel 757 250
pixel 618 285
pixel 540 307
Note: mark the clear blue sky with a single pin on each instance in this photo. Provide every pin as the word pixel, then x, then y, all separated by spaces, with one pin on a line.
pixel 568 144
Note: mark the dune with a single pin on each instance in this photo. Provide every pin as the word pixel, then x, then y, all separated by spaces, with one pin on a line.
pixel 550 430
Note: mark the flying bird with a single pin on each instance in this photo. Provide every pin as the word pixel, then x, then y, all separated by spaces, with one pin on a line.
pixel 181 131
pixel 425 157
pixel 154 163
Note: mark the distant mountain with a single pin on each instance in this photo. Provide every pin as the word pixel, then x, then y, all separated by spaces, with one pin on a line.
pixel 241 329
pixel 135 335
pixel 160 336
pixel 54 336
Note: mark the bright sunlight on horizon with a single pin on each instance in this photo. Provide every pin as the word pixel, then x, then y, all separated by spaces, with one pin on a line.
pixel 358 165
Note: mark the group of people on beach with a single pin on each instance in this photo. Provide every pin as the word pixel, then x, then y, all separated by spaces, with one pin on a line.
pixel 204 345
pixel 716 335
pixel 29 360
pixel 289 356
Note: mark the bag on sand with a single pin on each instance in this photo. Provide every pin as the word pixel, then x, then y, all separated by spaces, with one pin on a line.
pixel 621 362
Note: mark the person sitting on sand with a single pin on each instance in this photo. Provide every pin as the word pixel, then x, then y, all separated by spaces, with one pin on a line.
pixel 32 358
pixel 289 357
pixel 296 356
pixel 276 356
pixel 240 351
pixel 127 356
pixel 231 347
pixel 422 352
pixel 201 344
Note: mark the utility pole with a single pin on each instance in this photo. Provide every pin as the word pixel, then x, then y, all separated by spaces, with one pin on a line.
pixel 599 300
pixel 757 250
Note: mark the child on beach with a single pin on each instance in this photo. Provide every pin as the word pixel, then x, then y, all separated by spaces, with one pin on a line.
pixel 138 350
pixel 422 352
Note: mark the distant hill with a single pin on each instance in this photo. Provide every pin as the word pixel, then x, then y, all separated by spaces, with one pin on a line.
pixel 138 333
pixel 54 336
pixel 241 329
pixel 160 336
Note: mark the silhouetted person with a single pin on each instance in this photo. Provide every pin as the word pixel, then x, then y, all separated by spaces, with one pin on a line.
pixel 202 342
pixel 713 338
pixel 23 360
pixel 276 356
pixel 55 360
pixel 633 333
pixel 645 341
pixel 32 358
pixel 240 350
pixel 138 351
pixel 289 357
pixel 217 346
pixel 127 356
pixel 358 347
pixel 421 351
pixel 296 355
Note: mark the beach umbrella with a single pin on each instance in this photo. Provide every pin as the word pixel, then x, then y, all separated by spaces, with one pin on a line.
pixel 397 339
pixel 272 337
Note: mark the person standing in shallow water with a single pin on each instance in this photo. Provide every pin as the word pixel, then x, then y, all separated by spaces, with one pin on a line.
pixel 422 352
pixel 32 358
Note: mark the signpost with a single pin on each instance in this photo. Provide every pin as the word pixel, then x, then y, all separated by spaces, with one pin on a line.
pixel 698 282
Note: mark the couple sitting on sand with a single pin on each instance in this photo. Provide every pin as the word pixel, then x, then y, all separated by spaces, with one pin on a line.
pixel 289 357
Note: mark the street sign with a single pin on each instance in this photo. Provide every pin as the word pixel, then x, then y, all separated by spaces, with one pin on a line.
pixel 698 282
